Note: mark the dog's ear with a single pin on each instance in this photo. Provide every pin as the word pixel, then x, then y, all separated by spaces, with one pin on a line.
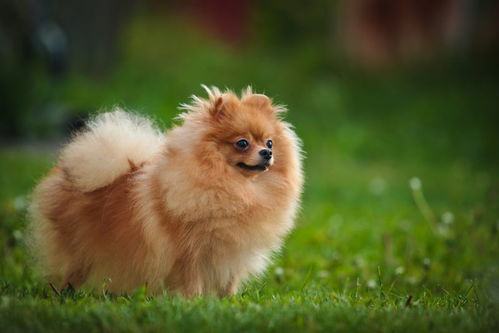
pixel 222 107
pixel 257 100
pixel 217 109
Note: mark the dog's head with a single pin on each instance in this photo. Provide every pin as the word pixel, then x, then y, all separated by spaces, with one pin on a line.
pixel 245 132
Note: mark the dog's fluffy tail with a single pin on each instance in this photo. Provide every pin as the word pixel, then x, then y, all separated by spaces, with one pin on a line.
pixel 110 146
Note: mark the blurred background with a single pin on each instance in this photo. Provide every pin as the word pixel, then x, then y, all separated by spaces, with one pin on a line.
pixel 389 96
pixel 61 60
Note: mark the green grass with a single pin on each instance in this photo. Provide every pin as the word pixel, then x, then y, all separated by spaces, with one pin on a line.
pixel 369 252
pixel 360 249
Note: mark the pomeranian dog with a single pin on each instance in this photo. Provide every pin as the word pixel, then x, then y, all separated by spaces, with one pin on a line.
pixel 196 210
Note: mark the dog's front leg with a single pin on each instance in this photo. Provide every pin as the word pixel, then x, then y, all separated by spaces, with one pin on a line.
pixel 231 287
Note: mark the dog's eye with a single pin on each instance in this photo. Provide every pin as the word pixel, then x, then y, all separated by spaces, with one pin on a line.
pixel 269 143
pixel 242 144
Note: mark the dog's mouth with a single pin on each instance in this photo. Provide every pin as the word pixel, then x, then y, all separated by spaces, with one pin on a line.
pixel 258 167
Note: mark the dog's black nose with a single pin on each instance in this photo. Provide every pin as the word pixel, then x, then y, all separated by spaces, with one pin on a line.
pixel 266 153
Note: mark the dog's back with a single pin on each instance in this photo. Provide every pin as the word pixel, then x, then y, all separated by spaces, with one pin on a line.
pixel 84 213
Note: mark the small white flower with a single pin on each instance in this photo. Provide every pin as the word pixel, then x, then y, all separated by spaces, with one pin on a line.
pixel 18 235
pixel 279 271
pixel 399 270
pixel 448 217
pixel 415 183
pixel 323 274
pixel 377 186
pixel 372 284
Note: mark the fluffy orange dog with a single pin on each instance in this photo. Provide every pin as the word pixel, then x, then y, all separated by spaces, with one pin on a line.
pixel 197 210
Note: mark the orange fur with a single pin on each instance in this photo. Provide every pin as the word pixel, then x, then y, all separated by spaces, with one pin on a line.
pixel 177 212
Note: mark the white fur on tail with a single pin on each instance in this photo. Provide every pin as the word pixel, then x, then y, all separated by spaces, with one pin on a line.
pixel 106 148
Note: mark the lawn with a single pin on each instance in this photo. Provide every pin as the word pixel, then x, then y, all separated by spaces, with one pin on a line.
pixel 399 224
